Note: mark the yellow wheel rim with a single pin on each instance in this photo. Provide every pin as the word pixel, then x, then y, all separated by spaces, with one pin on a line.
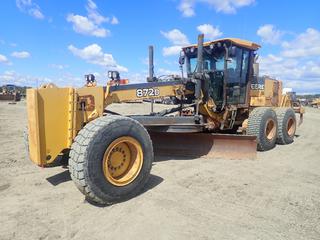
pixel 122 161
pixel 291 127
pixel 271 129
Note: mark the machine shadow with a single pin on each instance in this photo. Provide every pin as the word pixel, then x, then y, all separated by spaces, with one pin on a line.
pixel 164 158
pixel 65 177
pixel 59 178
pixel 152 183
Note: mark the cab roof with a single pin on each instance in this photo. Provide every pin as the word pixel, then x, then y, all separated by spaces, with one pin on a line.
pixel 234 41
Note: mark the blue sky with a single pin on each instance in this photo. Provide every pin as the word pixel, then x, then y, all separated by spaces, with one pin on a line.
pixel 60 41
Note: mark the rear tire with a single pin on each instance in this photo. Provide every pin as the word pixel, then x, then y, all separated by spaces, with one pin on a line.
pixel 107 139
pixel 287 124
pixel 262 123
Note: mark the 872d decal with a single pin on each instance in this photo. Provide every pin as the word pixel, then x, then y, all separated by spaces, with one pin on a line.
pixel 147 92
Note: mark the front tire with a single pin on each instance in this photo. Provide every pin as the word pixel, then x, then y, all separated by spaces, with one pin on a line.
pixel 110 159
pixel 262 123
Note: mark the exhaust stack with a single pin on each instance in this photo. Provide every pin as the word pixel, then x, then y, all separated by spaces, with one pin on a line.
pixel 151 77
pixel 198 75
pixel 200 53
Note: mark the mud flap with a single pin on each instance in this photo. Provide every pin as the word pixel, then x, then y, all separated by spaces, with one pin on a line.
pixel 206 145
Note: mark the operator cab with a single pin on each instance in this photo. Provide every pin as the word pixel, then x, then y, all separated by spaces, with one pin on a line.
pixel 226 63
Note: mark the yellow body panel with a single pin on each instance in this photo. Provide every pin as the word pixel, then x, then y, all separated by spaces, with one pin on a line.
pixel 55 115
pixel 48 114
pixel 94 104
pixel 270 96
pixel 33 126
pixel 130 94
pixel 258 101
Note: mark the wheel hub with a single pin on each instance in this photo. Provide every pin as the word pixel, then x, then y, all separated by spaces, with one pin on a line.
pixel 119 159
pixel 122 161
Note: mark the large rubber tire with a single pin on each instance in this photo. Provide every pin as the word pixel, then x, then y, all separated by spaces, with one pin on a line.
pixel 287 125
pixel 87 154
pixel 258 122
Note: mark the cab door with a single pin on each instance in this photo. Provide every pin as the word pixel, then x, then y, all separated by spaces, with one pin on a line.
pixel 237 76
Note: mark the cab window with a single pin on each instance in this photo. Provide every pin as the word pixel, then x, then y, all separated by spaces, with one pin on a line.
pixel 237 75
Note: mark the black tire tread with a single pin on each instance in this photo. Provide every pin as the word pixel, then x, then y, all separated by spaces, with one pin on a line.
pixel 79 149
pixel 281 113
pixel 254 123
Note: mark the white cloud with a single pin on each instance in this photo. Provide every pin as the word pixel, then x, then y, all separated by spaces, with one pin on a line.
pixel 93 13
pixel 58 66
pixel 276 66
pixel 269 34
pixel 85 26
pixel 299 75
pixel 304 45
pixel 187 8
pixel 136 77
pixel 173 50
pixel 141 77
pixel 164 71
pixel 27 6
pixel 297 63
pixel 7 76
pixel 90 24
pixel 36 13
pixel 22 54
pixel 114 20
pixel 92 5
pixel 176 37
pixel 20 79
pixel 225 6
pixel 11 77
pixel 4 60
pixel 94 54
pixel 209 31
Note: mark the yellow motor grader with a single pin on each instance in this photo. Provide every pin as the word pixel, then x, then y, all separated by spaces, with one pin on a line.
pixel 315 103
pixel 222 109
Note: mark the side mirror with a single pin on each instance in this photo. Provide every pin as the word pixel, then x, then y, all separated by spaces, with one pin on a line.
pixel 232 51
pixel 256 69
pixel 182 58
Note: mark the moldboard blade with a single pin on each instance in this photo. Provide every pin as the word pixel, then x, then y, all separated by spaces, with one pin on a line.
pixel 206 145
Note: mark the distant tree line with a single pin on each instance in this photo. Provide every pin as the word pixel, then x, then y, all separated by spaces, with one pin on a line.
pixel 308 96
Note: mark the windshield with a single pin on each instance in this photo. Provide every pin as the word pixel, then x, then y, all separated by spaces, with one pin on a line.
pixel 211 63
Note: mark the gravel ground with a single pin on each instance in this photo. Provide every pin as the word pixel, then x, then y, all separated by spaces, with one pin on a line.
pixel 276 196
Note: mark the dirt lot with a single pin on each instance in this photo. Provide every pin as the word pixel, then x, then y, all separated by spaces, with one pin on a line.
pixel 274 197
